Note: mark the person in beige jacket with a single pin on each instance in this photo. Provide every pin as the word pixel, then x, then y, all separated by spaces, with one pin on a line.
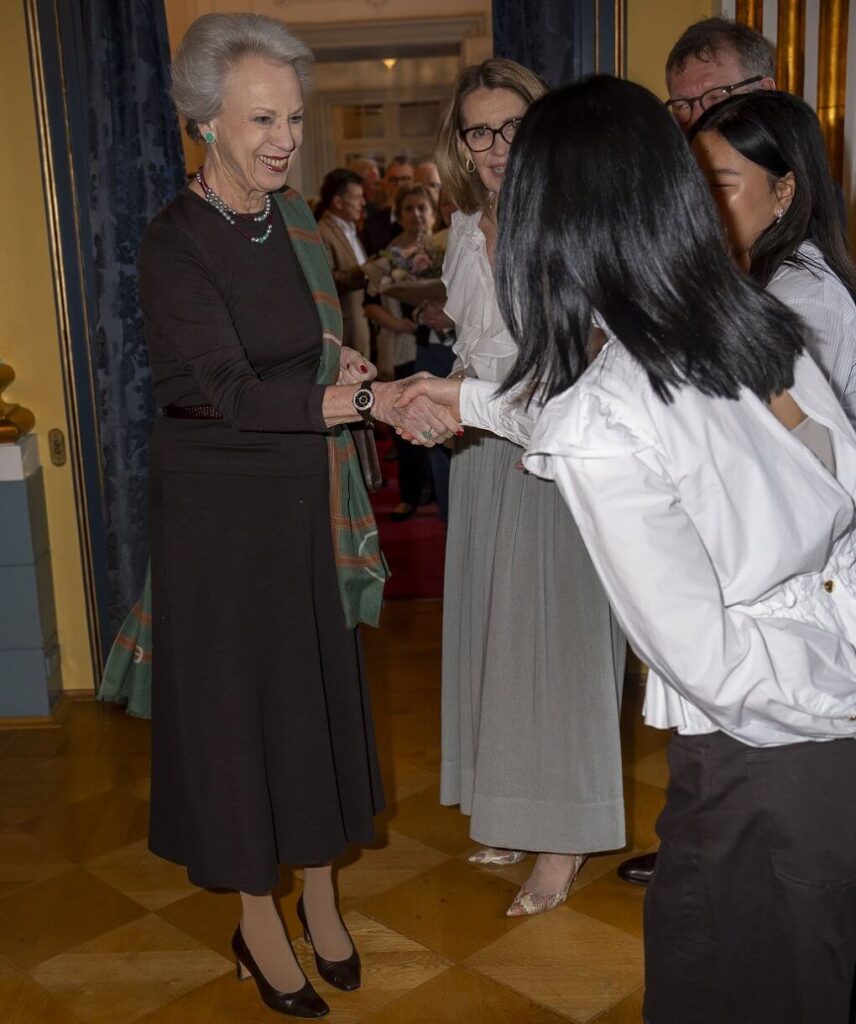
pixel 339 211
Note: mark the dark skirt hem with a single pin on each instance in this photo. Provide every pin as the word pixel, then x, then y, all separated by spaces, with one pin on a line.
pixel 253 887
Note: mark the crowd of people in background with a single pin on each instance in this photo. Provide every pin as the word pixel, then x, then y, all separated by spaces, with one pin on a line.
pixel 362 213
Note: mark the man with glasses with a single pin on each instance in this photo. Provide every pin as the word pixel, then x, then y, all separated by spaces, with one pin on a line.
pixel 712 60
pixel 380 229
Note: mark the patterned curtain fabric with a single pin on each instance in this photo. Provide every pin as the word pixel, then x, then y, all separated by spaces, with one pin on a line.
pixel 546 36
pixel 134 166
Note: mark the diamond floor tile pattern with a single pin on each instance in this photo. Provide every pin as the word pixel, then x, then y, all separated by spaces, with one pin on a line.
pixel 123 974
pixel 96 930
pixel 567 961
pixel 450 908
pixel 460 996
pixel 50 917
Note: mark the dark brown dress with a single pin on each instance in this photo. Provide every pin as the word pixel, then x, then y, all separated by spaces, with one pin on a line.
pixel 263 747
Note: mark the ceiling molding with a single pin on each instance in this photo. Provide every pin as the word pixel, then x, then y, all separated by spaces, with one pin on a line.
pixel 419 37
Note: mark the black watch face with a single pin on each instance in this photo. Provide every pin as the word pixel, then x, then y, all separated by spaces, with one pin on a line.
pixel 363 400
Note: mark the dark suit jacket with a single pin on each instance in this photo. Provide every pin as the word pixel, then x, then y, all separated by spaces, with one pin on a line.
pixel 378 231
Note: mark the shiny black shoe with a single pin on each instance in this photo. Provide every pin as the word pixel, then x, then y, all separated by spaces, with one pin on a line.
pixel 342 974
pixel 304 1003
pixel 638 870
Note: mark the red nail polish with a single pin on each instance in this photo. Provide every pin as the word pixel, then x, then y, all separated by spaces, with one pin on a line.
pixel 363 368
pixel 459 433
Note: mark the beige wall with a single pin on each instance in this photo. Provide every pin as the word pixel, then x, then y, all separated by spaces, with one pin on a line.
pixel 653 27
pixel 28 331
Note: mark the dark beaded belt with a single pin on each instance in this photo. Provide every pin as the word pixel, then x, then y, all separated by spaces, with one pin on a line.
pixel 191 412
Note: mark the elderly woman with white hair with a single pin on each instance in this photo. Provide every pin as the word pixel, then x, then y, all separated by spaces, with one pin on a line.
pixel 264 550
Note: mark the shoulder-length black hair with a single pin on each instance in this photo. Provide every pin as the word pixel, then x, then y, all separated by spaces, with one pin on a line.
pixel 781 133
pixel 604 208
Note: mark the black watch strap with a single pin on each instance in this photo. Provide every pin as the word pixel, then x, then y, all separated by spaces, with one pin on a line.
pixel 364 400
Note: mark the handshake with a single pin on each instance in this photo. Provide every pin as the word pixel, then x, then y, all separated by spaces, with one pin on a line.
pixel 422 409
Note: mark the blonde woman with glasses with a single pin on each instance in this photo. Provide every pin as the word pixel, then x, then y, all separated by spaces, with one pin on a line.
pixel 532 659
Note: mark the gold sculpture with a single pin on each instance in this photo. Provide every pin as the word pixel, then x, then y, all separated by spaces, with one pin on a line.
pixel 15 420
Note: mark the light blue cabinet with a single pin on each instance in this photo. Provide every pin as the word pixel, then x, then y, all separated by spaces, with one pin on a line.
pixel 30 680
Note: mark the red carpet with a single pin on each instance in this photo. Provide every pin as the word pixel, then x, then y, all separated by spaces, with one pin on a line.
pixel 416 548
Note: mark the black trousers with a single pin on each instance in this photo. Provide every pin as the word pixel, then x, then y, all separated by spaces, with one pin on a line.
pixel 439 360
pixel 412 458
pixel 751 915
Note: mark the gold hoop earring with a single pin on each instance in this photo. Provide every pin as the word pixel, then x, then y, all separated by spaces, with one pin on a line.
pixel 470 165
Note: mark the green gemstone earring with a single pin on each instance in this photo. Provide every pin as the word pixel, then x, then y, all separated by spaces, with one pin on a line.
pixel 209 137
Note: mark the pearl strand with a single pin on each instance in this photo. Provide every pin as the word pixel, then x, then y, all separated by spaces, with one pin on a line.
pixel 231 215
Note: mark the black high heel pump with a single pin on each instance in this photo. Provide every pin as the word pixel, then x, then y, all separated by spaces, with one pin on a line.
pixel 304 1003
pixel 341 974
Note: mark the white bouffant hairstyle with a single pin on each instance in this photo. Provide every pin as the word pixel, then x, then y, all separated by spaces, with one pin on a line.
pixel 212 45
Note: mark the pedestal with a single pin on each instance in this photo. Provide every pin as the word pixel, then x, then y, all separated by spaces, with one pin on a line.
pixel 30 680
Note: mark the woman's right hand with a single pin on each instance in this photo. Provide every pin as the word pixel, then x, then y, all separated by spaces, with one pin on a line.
pixel 405 326
pixel 420 420
pixel 442 392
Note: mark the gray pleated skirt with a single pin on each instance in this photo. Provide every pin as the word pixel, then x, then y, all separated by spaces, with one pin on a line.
pixel 533 664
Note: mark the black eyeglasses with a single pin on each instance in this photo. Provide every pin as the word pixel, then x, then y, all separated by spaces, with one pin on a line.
pixel 481 138
pixel 681 107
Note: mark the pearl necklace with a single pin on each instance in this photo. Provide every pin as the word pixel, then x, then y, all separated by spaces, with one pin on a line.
pixel 232 216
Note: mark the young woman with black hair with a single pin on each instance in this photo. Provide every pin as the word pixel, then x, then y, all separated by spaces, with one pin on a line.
pixel 765 160
pixel 726 547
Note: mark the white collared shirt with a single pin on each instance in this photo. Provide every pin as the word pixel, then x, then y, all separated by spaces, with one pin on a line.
pixel 349 230
pixel 727 550
pixel 814 292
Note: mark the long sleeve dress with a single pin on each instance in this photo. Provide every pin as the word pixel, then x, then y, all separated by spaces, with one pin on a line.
pixel 262 740
pixel 533 659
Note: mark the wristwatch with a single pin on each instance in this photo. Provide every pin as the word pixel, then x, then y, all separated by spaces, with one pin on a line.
pixel 364 400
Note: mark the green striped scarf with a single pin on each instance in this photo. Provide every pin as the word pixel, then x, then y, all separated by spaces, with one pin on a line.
pixel 360 566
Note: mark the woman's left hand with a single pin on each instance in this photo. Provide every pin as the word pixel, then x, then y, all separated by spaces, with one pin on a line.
pixel 354 368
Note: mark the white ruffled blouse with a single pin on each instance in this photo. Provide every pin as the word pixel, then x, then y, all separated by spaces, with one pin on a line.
pixel 726 548
pixel 484 348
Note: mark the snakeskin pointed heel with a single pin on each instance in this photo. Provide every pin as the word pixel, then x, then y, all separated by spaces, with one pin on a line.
pixel 527 902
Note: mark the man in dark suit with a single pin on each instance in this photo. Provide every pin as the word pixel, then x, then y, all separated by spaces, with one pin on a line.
pixel 380 229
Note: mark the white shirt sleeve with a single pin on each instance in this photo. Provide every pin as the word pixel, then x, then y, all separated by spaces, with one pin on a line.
pixel 826 308
pixel 736 669
pixel 507 415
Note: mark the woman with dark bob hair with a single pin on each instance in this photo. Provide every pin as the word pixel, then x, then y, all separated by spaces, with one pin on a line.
pixel 264 551
pixel 725 544
pixel 765 160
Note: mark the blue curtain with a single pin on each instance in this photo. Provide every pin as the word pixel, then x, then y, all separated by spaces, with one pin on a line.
pixel 555 38
pixel 133 166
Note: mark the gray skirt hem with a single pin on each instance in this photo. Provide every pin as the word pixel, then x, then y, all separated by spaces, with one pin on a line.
pixel 533 664
pixel 546 826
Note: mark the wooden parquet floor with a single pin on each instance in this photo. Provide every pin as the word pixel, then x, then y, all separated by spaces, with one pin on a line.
pixel 95 930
